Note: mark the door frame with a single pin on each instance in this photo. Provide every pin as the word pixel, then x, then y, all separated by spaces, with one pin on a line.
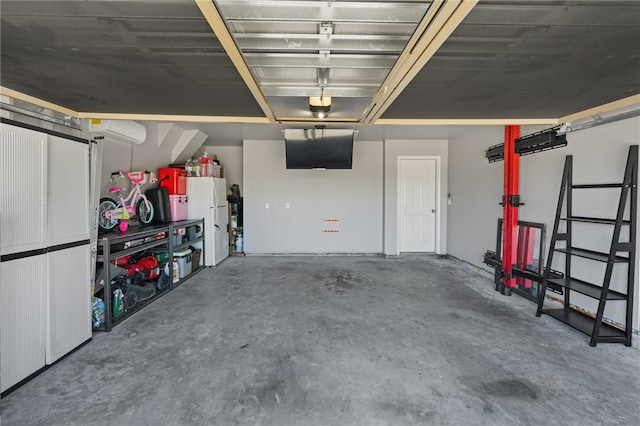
pixel 437 194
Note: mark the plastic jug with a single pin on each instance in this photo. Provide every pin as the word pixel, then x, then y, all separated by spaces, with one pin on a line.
pixel 176 270
pixel 239 243
pixel 206 165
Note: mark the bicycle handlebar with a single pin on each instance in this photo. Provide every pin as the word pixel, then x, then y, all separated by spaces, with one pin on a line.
pixel 120 174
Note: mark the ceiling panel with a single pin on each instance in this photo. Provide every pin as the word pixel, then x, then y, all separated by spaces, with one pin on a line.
pixel 120 57
pixel 529 59
pixel 385 11
pixel 508 58
pixel 340 49
pixel 298 107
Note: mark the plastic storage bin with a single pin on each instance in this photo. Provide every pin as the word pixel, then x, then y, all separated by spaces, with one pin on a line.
pixel 178 204
pixel 184 261
pixel 175 180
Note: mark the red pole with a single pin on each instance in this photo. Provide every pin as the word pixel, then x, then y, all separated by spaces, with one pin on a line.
pixel 510 205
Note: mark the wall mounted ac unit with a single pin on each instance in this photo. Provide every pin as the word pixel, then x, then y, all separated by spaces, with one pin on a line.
pixel 119 130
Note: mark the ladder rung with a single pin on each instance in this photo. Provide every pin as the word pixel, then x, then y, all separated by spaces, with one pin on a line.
pixel 597 185
pixel 623 246
pixel 591 254
pixel 594 220
pixel 587 288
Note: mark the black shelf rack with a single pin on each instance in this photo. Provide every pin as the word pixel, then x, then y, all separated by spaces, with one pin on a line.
pixel 136 239
pixel 620 252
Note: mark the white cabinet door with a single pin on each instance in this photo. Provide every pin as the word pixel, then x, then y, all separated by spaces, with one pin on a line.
pixel 23 189
pixel 22 318
pixel 68 185
pixel 68 301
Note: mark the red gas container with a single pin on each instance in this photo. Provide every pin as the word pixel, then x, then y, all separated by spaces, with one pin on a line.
pixel 175 180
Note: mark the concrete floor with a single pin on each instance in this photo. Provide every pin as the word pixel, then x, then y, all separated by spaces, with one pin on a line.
pixel 415 340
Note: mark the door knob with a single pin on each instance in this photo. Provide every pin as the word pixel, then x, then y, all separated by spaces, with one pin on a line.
pixel 433 210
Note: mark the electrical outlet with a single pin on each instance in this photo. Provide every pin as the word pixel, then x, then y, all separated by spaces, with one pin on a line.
pixel 266 206
pixel 287 205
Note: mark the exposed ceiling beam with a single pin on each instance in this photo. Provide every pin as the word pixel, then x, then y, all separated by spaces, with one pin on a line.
pixel 442 18
pixel 175 118
pixel 314 11
pixel 315 42
pixel 315 60
pixel 467 121
pixel 631 101
pixel 36 101
pixel 351 91
pixel 219 28
pixel 294 120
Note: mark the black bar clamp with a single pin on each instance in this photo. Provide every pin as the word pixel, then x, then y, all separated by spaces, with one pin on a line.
pixel 514 201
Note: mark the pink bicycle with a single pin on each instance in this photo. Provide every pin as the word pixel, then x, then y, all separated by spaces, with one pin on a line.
pixel 135 204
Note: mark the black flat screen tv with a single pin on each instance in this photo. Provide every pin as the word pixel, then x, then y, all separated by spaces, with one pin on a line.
pixel 319 148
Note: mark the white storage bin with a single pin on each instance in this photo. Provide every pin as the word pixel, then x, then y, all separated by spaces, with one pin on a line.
pixel 184 261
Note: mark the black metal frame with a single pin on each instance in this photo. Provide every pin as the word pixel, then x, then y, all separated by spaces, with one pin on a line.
pixel 599 331
pixel 543 140
pixel 540 141
pixel 109 239
pixel 494 260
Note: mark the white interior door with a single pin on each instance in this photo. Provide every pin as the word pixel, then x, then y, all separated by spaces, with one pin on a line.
pixel 417 213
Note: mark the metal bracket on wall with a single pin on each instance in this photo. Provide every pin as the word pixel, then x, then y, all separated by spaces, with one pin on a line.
pixel 514 200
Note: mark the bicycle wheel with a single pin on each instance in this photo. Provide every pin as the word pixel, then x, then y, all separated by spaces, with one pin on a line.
pixel 144 211
pixel 105 205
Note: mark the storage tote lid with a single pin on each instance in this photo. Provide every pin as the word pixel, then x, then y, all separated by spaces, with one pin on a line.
pixel 182 253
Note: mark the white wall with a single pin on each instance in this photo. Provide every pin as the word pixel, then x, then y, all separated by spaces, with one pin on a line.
pixel 393 149
pixel 475 186
pixel 353 197
pixel 599 156
pixel 231 160
pixel 117 156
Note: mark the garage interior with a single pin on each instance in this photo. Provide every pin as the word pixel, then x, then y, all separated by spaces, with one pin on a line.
pixel 335 315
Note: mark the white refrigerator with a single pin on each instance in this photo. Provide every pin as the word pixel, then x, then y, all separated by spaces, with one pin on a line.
pixel 208 199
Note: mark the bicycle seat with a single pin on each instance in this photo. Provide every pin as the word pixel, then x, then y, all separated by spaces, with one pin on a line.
pixel 115 189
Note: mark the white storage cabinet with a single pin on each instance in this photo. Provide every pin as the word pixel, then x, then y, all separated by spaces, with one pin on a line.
pixel 44 249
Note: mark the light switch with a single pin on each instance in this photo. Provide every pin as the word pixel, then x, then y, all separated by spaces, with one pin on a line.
pixel 287 205
pixel 266 206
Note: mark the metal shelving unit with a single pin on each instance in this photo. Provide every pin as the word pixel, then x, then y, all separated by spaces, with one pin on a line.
pixel 186 224
pixel 113 245
pixel 595 327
